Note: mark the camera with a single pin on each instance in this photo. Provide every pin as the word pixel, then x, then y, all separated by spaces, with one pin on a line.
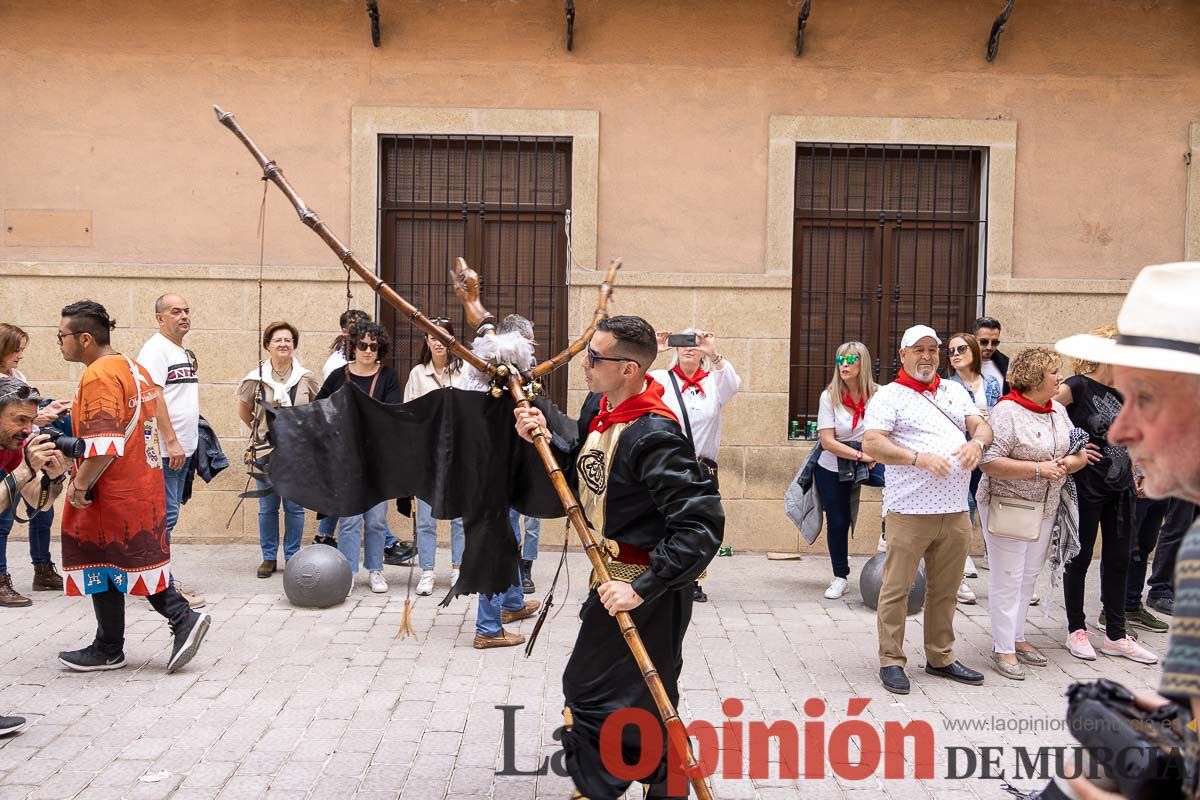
pixel 681 340
pixel 69 446
pixel 1141 754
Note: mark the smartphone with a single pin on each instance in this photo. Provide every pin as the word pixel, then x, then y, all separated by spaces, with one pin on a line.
pixel 681 340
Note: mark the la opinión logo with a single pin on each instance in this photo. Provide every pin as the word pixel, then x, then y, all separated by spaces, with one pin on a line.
pixel 742 748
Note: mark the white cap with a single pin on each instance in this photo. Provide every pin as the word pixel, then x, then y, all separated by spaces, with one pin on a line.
pixel 916 333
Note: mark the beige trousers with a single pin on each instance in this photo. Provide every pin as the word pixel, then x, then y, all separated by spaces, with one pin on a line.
pixel 943 540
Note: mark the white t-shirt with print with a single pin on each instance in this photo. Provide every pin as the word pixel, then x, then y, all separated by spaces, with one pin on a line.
pixel 171 368
pixel 839 418
pixel 911 421
pixel 990 368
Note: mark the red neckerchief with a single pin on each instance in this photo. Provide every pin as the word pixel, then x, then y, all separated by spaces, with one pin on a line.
pixel 1025 402
pixel 692 381
pixel 904 379
pixel 10 460
pixel 859 408
pixel 650 401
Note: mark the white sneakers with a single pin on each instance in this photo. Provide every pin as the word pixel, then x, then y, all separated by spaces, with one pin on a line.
pixel 425 585
pixel 966 595
pixel 969 570
pixel 1080 646
pixel 837 588
pixel 1128 648
pixel 378 584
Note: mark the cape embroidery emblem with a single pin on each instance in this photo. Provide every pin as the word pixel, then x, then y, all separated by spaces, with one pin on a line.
pixel 591 469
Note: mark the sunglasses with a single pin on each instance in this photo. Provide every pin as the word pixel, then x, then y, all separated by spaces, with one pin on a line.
pixel 22 392
pixel 850 358
pixel 439 320
pixel 191 357
pixel 372 346
pixel 592 357
pixel 958 351
pixel 61 336
pixel 989 342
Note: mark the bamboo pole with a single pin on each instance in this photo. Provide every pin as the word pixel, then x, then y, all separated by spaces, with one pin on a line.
pixel 467 287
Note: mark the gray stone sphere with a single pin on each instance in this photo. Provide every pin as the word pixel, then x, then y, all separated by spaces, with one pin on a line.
pixel 871 581
pixel 318 576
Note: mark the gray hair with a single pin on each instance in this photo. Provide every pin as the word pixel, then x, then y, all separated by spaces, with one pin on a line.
pixel 8 392
pixel 515 323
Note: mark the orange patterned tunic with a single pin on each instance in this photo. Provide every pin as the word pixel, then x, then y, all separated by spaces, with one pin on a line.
pixel 121 537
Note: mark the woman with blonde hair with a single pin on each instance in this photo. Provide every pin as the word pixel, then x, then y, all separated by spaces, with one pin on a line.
pixel 1107 496
pixel 842 466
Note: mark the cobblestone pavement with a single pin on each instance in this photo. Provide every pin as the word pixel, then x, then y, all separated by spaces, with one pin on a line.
pixel 290 703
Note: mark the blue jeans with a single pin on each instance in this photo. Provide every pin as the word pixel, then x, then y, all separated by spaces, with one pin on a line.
pixel 174 479
pixel 533 532
pixel 487 616
pixel 268 525
pixel 39 536
pixel 835 499
pixel 427 537
pixel 326 526
pixel 369 529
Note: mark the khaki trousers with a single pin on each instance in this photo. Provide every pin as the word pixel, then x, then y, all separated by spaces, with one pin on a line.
pixel 943 540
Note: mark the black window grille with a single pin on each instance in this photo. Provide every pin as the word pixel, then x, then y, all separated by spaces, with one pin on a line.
pixel 886 236
pixel 500 202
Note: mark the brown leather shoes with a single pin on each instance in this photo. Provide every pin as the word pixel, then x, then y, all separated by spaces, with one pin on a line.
pixel 46 578
pixel 266 569
pixel 8 595
pixel 531 607
pixel 502 639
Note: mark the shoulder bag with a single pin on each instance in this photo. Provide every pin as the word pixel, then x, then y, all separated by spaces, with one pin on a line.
pixel 1015 517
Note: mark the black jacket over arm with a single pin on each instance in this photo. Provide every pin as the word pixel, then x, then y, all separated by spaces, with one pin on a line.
pixel 657 497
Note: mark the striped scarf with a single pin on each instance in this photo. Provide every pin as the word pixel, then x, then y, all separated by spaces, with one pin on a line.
pixel 1064 536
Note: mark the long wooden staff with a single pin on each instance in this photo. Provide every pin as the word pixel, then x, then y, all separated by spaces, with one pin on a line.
pixel 467 287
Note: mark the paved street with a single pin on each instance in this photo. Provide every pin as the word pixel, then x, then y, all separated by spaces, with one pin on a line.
pixel 290 703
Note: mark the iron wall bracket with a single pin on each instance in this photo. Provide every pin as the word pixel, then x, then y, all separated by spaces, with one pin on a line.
pixel 998 28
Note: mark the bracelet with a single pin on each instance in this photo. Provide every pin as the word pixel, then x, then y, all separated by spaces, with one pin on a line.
pixel 916 455
pixel 858 455
pixel 1038 471
pixel 717 359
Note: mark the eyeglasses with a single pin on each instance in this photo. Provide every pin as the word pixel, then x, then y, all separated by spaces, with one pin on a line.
pixel 281 341
pixel 62 336
pixel 849 358
pixel 372 346
pixel 958 351
pixel 22 392
pixel 195 362
pixel 591 356
pixel 989 342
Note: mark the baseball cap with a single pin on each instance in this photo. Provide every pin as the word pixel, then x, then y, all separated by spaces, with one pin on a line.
pixel 916 333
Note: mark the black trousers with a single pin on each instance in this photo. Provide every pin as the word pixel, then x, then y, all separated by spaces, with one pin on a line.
pixel 1179 517
pixel 109 606
pixel 1113 514
pixel 1148 519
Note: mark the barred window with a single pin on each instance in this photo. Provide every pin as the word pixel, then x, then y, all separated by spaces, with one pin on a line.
pixel 886 237
pixel 500 202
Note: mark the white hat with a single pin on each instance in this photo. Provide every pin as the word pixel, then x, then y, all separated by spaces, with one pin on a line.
pixel 916 333
pixel 1159 324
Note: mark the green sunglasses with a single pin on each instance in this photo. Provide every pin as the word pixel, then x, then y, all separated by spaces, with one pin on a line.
pixel 850 358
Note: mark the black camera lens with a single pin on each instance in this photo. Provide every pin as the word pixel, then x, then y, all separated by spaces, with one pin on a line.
pixel 69 446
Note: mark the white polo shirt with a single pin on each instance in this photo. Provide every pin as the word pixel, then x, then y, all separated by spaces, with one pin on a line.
pixel 704 410
pixel 910 420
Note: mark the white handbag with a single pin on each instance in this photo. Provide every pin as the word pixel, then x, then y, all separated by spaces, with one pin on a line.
pixel 1016 518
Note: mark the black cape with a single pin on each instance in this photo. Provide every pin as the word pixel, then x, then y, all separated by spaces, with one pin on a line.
pixel 457 450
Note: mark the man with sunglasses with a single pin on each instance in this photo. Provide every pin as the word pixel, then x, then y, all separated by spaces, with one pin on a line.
pixel 659 522
pixel 174 369
pixel 995 363
pixel 31 469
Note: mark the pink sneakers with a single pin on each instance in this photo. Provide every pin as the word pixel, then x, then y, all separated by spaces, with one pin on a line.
pixel 1127 648
pixel 1079 646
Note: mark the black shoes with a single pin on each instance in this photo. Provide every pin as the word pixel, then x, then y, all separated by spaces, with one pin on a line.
pixel 955 671
pixel 399 554
pixel 89 659
pixel 698 595
pixel 527 576
pixel 1163 605
pixel 329 540
pixel 11 725
pixel 187 640
pixel 894 679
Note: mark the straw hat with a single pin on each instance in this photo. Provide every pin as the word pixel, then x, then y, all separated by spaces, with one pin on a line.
pixel 1159 324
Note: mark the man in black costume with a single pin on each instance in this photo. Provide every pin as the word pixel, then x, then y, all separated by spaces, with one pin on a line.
pixel 659 521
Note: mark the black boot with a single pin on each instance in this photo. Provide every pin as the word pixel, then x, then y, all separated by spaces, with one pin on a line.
pixel 527 576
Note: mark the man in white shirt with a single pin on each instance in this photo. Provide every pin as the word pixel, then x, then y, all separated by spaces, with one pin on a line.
pixel 173 369
pixel 930 435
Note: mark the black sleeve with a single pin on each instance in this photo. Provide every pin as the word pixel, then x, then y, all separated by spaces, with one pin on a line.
pixel 331 384
pixel 567 434
pixel 663 462
pixel 389 390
